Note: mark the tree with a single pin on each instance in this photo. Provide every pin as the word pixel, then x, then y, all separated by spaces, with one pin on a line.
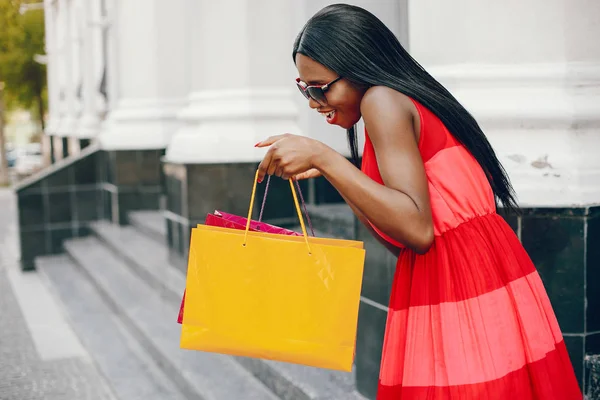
pixel 8 33
pixel 9 16
pixel 21 38
pixel 4 178
pixel 24 77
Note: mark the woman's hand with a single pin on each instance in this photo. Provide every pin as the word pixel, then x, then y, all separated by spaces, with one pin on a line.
pixel 290 155
pixel 311 173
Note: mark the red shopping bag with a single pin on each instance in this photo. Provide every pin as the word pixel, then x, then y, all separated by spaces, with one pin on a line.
pixel 226 220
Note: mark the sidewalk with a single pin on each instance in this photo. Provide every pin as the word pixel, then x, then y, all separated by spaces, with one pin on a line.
pixel 40 356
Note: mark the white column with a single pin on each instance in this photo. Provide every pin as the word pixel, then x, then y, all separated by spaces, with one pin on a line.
pixel 530 74
pixel 61 61
pixel 111 26
pixel 51 48
pixel 148 85
pixel 70 56
pixel 92 25
pixel 242 79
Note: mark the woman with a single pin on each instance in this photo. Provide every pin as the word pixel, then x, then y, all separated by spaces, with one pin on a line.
pixel 469 317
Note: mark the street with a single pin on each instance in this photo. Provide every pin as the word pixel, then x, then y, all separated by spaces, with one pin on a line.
pixel 40 356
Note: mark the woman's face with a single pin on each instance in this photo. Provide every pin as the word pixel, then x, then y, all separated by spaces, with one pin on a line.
pixel 343 98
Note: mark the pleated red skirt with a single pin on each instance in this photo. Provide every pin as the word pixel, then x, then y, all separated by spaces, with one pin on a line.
pixel 471 320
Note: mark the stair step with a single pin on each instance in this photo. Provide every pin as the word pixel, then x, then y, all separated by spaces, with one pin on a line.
pixel 151 223
pixel 152 320
pixel 129 371
pixel 148 259
pixel 289 381
pixel 299 382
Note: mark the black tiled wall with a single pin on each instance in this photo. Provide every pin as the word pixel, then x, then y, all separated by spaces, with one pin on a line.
pixel 98 185
pixel 563 244
pixel 130 180
pixel 369 344
pixel 194 190
pixel 57 207
pixel 593 278
pixel 379 273
pixel 556 246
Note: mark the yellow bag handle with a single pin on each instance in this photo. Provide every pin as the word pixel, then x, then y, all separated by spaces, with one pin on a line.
pixel 295 203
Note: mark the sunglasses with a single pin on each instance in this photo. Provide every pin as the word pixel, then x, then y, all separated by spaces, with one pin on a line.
pixel 317 92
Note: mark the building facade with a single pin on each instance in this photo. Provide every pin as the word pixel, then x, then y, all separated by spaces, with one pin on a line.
pixel 177 92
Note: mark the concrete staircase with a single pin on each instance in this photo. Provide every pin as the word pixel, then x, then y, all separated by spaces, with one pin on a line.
pixel 122 296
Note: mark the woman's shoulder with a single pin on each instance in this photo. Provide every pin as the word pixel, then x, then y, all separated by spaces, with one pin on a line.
pixel 383 96
pixel 381 104
pixel 382 101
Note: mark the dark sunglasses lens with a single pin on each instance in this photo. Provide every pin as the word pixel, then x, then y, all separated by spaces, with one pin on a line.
pixel 318 95
pixel 301 89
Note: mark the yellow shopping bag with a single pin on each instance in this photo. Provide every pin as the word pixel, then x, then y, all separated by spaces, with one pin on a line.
pixel 276 297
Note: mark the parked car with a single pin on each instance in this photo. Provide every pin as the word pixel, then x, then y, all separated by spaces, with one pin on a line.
pixel 11 156
pixel 29 159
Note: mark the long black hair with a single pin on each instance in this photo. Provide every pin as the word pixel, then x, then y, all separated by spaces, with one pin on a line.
pixel 358 46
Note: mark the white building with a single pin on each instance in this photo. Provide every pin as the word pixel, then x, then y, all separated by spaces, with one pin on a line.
pixel 205 80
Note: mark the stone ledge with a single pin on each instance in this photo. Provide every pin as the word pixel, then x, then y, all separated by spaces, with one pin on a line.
pixel 151 223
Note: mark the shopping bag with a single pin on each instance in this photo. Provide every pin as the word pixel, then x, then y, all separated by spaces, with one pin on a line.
pixel 226 220
pixel 277 297
pixel 231 221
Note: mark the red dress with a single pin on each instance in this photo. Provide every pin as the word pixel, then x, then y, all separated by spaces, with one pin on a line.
pixel 470 319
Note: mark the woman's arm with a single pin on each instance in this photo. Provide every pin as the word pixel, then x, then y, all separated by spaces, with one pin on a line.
pixel 391 248
pixel 401 208
pixel 315 173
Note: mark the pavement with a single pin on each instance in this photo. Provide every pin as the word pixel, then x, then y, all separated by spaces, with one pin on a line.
pixel 40 355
